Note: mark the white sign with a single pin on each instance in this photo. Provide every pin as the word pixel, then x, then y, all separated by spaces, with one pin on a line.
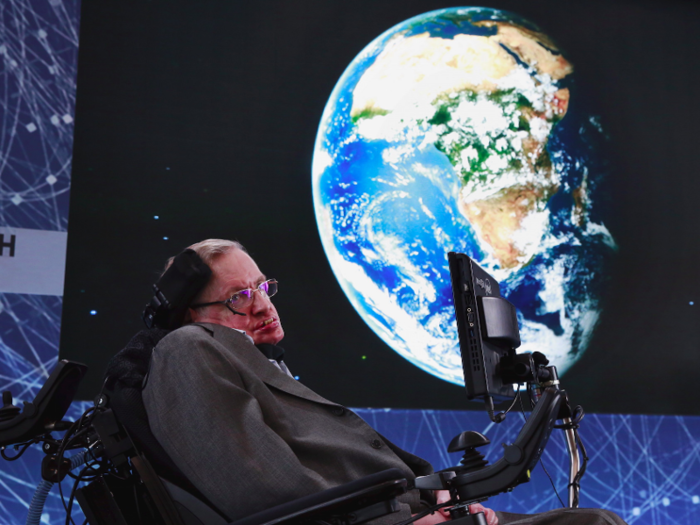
pixel 32 261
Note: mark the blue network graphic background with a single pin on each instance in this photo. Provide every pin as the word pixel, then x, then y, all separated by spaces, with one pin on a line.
pixel 645 468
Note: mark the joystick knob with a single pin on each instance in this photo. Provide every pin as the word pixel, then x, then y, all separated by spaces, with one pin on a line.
pixel 469 441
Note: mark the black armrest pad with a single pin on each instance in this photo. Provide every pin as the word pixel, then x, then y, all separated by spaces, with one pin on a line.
pixel 292 508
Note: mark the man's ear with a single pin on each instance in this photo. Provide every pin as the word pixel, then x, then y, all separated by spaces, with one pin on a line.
pixel 191 316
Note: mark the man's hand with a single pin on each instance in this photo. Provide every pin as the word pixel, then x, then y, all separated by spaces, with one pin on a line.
pixel 443 515
pixel 489 514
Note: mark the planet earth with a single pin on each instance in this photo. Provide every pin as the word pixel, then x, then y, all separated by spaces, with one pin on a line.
pixel 463 130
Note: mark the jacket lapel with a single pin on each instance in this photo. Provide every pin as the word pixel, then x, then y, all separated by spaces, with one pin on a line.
pixel 260 365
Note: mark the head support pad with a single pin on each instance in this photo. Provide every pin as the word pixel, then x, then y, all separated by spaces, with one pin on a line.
pixel 175 290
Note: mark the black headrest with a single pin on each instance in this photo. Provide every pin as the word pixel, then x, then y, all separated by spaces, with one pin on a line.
pixel 175 290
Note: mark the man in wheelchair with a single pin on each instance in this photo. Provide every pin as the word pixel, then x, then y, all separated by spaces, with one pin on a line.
pixel 235 421
pixel 224 406
pixel 200 422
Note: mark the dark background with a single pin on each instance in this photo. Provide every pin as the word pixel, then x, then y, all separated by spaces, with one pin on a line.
pixel 205 113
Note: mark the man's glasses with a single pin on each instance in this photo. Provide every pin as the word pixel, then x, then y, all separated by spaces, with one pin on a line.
pixel 244 298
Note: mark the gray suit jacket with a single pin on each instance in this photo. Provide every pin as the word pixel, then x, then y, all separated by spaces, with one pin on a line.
pixel 250 437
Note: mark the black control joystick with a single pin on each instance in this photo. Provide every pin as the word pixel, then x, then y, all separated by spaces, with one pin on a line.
pixel 8 410
pixel 472 460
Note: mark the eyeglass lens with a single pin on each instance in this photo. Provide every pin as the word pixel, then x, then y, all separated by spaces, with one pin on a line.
pixel 244 297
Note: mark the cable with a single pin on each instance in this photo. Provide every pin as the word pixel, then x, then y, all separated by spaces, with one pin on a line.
pixel 581 471
pixel 59 459
pixel 73 433
pixel 36 506
pixel 517 396
pixel 72 494
pixel 94 466
pixel 552 482
pixel 83 476
pixel 24 446
pixel 533 402
pixel 522 409
pixel 576 416
pixel 501 416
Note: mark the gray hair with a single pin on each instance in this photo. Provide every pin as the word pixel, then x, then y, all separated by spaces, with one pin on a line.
pixel 208 250
pixel 211 249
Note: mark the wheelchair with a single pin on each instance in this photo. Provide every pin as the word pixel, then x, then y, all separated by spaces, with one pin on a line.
pixel 132 481
pixel 129 479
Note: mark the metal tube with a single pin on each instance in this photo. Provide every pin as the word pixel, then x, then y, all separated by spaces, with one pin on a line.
pixel 574 463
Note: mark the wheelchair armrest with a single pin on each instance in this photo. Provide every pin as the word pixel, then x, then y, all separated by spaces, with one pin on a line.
pixel 49 406
pixel 344 499
pixel 376 491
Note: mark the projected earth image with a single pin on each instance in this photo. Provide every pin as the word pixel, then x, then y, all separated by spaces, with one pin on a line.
pixel 463 130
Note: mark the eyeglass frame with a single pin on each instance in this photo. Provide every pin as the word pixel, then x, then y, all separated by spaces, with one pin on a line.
pixel 227 302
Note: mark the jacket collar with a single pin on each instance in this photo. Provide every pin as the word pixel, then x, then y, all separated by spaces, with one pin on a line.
pixel 259 364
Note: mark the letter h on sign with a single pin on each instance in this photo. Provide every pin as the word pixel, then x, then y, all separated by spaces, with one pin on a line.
pixel 10 245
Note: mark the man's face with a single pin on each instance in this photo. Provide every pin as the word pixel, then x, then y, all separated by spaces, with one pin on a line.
pixel 233 272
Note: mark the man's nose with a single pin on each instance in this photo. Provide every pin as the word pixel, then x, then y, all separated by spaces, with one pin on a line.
pixel 261 302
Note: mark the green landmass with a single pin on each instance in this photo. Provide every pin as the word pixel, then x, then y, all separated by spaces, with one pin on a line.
pixel 512 103
pixel 369 113
pixel 441 116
